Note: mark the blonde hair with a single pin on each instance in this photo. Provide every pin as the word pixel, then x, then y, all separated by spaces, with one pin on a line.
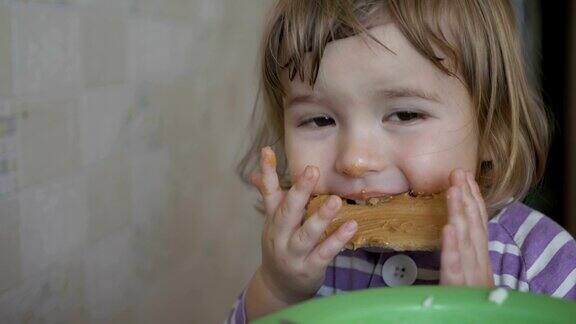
pixel 484 48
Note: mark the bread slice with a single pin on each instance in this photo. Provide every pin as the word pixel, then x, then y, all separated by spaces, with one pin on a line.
pixel 403 222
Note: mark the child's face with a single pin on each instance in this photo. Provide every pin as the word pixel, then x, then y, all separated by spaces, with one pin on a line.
pixel 379 122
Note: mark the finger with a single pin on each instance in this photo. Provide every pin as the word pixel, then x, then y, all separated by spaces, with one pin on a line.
pixel 466 250
pixel 307 236
pixel 461 209
pixel 450 265
pixel 456 212
pixel 475 261
pixel 471 208
pixel 291 211
pixel 256 180
pixel 270 186
pixel 326 251
pixel 478 235
pixel 475 189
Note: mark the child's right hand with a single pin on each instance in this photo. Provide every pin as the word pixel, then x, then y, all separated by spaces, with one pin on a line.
pixel 293 261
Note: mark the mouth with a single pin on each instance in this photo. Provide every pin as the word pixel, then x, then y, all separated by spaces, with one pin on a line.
pixel 372 201
pixel 375 198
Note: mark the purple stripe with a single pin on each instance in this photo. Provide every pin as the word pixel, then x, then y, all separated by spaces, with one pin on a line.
pixel 378 282
pixel 346 279
pixel 496 232
pixel 559 267
pixel 506 264
pixel 351 279
pixel 426 260
pixel 514 216
pixel 240 314
pixel 538 239
pixel 571 293
pixel 426 282
pixel 370 257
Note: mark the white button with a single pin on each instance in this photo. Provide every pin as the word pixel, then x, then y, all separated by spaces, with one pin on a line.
pixel 399 270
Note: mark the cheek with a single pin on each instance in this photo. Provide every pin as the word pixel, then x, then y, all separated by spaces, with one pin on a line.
pixel 427 173
pixel 300 154
pixel 428 162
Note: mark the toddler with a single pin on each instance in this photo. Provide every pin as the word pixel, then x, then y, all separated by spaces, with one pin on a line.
pixel 369 98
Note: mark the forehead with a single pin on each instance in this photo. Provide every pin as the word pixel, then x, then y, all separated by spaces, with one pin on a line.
pixel 357 67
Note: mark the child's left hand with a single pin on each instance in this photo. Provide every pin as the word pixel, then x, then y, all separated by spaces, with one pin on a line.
pixel 465 260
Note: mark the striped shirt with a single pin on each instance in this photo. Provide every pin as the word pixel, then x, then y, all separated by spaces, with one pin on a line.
pixel 529 252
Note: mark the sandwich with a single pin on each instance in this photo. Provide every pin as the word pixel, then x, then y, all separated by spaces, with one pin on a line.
pixel 402 222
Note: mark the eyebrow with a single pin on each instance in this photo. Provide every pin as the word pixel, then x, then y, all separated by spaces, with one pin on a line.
pixel 392 93
pixel 302 98
pixel 404 92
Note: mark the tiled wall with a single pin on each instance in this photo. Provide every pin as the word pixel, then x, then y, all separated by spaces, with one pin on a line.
pixel 119 124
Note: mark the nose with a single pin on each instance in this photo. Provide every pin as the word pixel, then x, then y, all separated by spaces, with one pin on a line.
pixel 359 158
pixel 355 169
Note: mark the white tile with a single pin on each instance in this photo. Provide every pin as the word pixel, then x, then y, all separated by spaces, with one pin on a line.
pixel 5 51
pixel 47 139
pixel 103 49
pixel 201 11
pixel 151 188
pixel 58 3
pixel 165 9
pixel 149 53
pixel 9 243
pixel 103 114
pixel 210 12
pixel 8 151
pixel 110 283
pixel 46 55
pixel 53 222
pixel 109 195
pixel 116 6
pixel 153 213
pixel 55 296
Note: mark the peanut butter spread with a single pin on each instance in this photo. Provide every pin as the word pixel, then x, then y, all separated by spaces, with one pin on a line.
pixel 401 222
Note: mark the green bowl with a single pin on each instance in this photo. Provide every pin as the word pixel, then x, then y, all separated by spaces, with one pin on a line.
pixel 412 305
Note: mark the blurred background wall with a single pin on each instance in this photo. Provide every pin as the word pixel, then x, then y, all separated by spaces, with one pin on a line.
pixel 120 122
pixel 119 125
pixel 550 38
pixel 570 125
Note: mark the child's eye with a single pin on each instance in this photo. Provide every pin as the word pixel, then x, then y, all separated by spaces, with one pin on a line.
pixel 321 121
pixel 406 116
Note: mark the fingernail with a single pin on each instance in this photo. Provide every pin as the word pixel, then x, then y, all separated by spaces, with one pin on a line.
pixel 309 173
pixel 268 156
pixel 350 226
pixel 332 202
